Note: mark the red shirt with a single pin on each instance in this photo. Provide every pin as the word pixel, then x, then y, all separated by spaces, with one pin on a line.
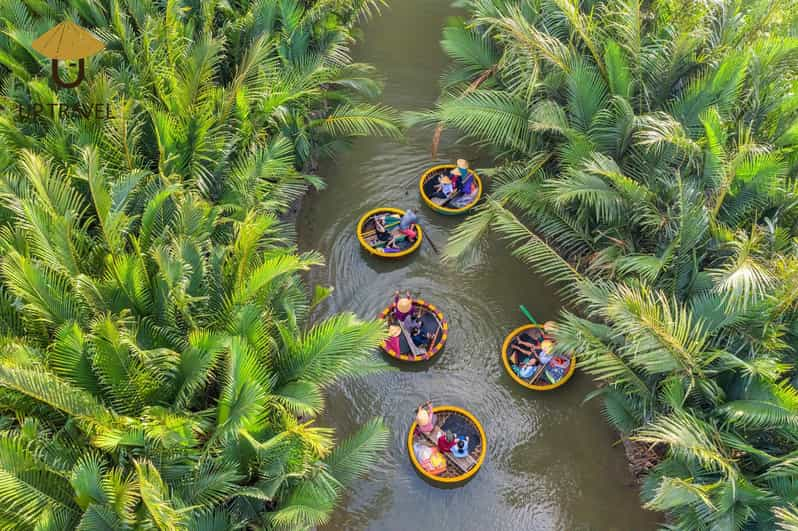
pixel 444 445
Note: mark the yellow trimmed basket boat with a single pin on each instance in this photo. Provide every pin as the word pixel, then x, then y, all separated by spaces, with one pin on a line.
pixel 434 322
pixel 454 204
pixel 367 233
pixel 544 377
pixel 426 457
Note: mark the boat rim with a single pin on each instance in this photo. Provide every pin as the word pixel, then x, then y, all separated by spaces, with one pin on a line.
pixel 435 349
pixel 382 254
pixel 448 210
pixel 518 379
pixel 462 477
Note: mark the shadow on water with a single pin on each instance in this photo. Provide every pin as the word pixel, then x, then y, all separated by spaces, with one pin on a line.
pixel 551 462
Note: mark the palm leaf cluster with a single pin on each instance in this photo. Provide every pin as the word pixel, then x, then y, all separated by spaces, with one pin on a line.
pixel 219 93
pixel 646 154
pixel 159 367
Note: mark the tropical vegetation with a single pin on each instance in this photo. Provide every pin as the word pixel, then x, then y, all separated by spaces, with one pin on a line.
pixel 160 366
pixel 646 159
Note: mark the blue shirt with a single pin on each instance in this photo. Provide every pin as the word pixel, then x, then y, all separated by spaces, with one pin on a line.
pixel 457 452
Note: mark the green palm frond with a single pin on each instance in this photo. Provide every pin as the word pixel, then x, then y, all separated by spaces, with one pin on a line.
pixel 356 455
pixel 49 389
pixel 151 296
pixel 469 48
pixel 464 244
pixel 492 116
pixel 336 347
pixel 532 250
pixel 690 439
pixel 676 492
pixel 303 398
pixel 758 414
pixel 787 518
pixel 156 498
pixel 360 120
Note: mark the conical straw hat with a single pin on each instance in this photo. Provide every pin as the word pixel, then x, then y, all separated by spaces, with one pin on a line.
pixel 67 41
pixel 546 346
pixel 422 417
pixel 404 305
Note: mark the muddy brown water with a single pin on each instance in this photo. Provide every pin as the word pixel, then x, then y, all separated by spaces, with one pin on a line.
pixel 551 462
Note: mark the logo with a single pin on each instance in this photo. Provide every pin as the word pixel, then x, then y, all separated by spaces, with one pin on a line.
pixel 67 42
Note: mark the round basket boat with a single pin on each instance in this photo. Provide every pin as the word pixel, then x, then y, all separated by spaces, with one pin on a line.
pixel 434 322
pixel 543 379
pixel 453 205
pixel 455 469
pixel 367 233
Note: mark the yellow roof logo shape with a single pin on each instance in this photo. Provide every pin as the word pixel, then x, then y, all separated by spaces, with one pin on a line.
pixel 67 41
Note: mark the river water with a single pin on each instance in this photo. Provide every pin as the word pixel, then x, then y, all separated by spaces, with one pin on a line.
pixel 551 462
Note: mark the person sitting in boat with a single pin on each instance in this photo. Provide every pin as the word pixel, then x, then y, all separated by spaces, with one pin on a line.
pixel 557 368
pixel 465 184
pixel 444 189
pixel 430 458
pixel 425 418
pixel 446 441
pixel 409 233
pixel 545 352
pixel 529 341
pixel 402 306
pixel 414 319
pixel 406 225
pixel 392 344
pixel 383 234
pixel 420 336
pixel 460 449
pixel 527 368
pixel 521 351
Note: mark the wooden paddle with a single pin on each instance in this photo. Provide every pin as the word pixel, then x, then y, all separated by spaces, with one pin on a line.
pixel 432 342
pixel 432 243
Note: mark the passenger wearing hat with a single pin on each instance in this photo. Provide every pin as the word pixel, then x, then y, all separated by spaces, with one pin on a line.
pixel 425 418
pixel 444 188
pixel 392 344
pixel 402 306
pixel 466 181
pixel 545 353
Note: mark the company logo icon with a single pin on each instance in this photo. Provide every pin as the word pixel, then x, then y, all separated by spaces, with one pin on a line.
pixel 67 42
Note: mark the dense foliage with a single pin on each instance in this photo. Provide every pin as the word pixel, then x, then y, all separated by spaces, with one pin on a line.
pixel 158 366
pixel 646 157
